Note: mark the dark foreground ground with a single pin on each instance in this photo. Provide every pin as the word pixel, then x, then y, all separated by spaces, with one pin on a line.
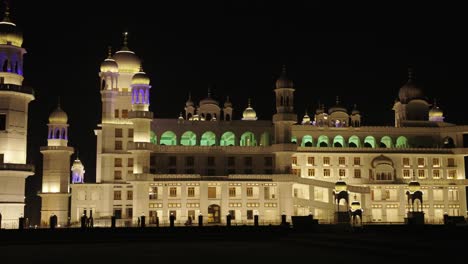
pixel 248 244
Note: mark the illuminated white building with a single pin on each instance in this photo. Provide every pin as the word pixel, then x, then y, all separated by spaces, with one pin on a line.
pixel 14 102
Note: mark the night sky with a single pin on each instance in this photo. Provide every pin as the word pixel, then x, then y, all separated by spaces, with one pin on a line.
pixel 360 53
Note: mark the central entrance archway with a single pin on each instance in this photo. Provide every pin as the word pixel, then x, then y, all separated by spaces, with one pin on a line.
pixel 214 214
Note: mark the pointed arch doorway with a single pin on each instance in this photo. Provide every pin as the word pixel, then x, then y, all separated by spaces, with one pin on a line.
pixel 214 214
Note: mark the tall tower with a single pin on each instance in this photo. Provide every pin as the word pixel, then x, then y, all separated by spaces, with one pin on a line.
pixel 285 116
pixel 14 102
pixel 141 146
pixel 55 174
pixel 227 110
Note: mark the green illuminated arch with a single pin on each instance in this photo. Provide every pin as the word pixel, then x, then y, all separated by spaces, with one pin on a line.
pixel 208 139
pixel 354 142
pixel 153 138
pixel 188 139
pixel 322 141
pixel 228 139
pixel 386 142
pixel 168 138
pixel 248 139
pixel 307 141
pixel 369 142
pixel 338 141
pixel 265 139
pixel 402 142
pixel 294 139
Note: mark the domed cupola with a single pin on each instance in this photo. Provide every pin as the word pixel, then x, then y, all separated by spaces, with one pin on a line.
pixel 9 32
pixel 227 103
pixel 58 116
pixel 109 64
pixel 337 107
pixel 306 119
pixel 249 113
pixel 355 111
pixel 208 99
pixel 126 59
pixel 283 81
pixel 436 114
pixel 140 78
pixel 409 90
pixel 341 186
pixel 189 101
pixel 414 186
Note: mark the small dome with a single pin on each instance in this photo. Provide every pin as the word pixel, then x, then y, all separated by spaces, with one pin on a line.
pixel 208 100
pixel 249 113
pixel 436 112
pixel 337 107
pixel 109 65
pixel 355 111
pixel 141 78
pixel 58 116
pixel 414 186
pixel 77 164
pixel 355 205
pixel 409 90
pixel 283 81
pixel 340 186
pixel 306 119
pixel 127 61
pixel 189 101
pixel 9 33
pixel 227 103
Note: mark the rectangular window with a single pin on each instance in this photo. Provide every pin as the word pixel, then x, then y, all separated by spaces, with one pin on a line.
pixel 311 160
pixel 118 162
pixel 117 195
pixel 421 174
pixel 249 214
pixel 130 132
pixel 435 162
pixel 357 161
pixel 326 161
pixel 341 161
pixel 129 212
pixel 406 162
pixel 124 113
pixel 118 145
pixel 231 161
pixel 189 161
pixel 118 213
pixel 233 214
pixel 211 192
pixel 296 172
pixel 268 161
pixel 116 113
pixel 406 174
pixel 450 162
pixel 342 172
pixel 311 172
pixel 232 192
pixel 452 174
pixel 2 121
pixel 357 173
pixel 436 174
pixel 248 161
pixel 421 162
pixel 210 161
pixel 266 192
pixel 172 160
pixel 452 195
pixel 173 192
pixel 130 162
pixel 249 191
pixel 326 173
pixel 129 195
pixel 118 132
pixel 153 193
pixel 294 160
pixel 191 191
pixel 117 175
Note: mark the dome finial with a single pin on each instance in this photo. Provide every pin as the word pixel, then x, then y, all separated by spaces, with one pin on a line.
pixel 410 74
pixel 58 102
pixel 6 17
pixel 227 98
pixel 125 41
pixel 77 154
pixel 249 102
pixel 337 100
pixel 109 52
pixel 284 69
pixel 435 102
pixel 141 68
pixel 209 91
pixel 190 96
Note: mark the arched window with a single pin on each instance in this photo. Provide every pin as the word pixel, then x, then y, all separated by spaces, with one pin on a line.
pixel 354 142
pixel 248 139
pixel 386 142
pixel 188 139
pixel 142 96
pixel 338 141
pixel 153 138
pixel 5 66
pixel 228 139
pixel 294 140
pixel 307 141
pixel 322 141
pixel 103 84
pixel 369 142
pixel 63 134
pixel 402 142
pixel 208 139
pixel 168 138
pixel 208 117
pixel 57 133
pixel 228 117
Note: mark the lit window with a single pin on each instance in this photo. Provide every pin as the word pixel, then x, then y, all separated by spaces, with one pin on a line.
pixel 326 161
pixel 117 195
pixel 311 160
pixel 326 172
pixel 357 173
pixel 341 160
pixel 436 174
pixel 129 195
pixel 173 192
pixel 249 191
pixel 153 193
pixel 191 192
pixel 357 161
pixel 232 191
pixel 406 162
pixel 452 174
pixel 311 173
pixel 421 174
pixel 118 132
pixel 436 162
pixel 294 160
pixel 421 162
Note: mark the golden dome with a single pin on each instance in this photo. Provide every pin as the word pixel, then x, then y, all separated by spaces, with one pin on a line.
pixel 355 205
pixel 141 78
pixel 340 186
pixel 436 112
pixel 414 186
pixel 109 65
pixel 58 116
pixel 127 61
pixel 9 33
pixel 249 113
pixel 77 164
pixel 306 119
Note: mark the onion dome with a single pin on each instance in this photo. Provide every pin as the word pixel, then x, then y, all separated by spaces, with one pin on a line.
pixel 409 90
pixel 9 32
pixel 208 100
pixel 337 107
pixel 306 119
pixel 414 186
pixel 283 81
pixel 227 103
pixel 340 186
pixel 320 109
pixel 77 164
pixel 436 114
pixel 109 64
pixel 126 59
pixel 355 205
pixel 141 78
pixel 58 116
pixel 355 111
pixel 181 117
pixel 189 100
pixel 249 113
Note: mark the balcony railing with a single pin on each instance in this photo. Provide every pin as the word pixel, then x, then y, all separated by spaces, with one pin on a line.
pixel 16 167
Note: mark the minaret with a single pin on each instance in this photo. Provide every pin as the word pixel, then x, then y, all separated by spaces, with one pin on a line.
pixel 109 75
pixel 189 108
pixel 141 147
pixel 77 171
pixel 14 104
pixel 55 169
pixel 227 110
pixel 285 116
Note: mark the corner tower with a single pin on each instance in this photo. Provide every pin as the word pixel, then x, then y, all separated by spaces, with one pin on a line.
pixel 15 99
pixel 285 116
